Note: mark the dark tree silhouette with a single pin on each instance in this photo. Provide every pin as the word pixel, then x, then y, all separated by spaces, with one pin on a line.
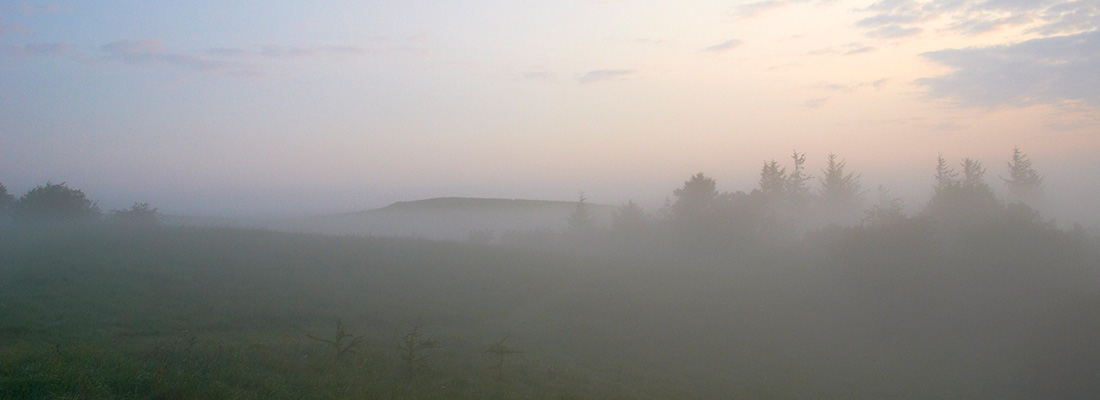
pixel 6 201
pixel 581 219
pixel 773 180
pixel 840 192
pixel 962 201
pixel 1024 183
pixel 696 214
pixel 973 175
pixel 887 209
pixel 629 218
pixel 946 177
pixel 796 187
pixel 138 214
pixel 696 200
pixel 54 203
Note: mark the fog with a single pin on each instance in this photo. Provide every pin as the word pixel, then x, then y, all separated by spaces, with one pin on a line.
pixel 1070 189
pixel 803 286
pixel 782 199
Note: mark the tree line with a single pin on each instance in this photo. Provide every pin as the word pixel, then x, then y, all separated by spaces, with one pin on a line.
pixel 785 205
pixel 58 203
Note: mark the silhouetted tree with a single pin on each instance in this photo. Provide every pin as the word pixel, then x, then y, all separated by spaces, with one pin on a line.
pixel 664 214
pixel 1024 183
pixel 54 203
pixel 962 201
pixel 6 201
pixel 696 199
pixel 773 181
pixel 840 192
pixel 973 175
pixel 796 189
pixel 946 177
pixel 629 218
pixel 751 219
pixel 581 219
pixel 499 350
pixel 887 209
pixel 140 214
pixel 695 212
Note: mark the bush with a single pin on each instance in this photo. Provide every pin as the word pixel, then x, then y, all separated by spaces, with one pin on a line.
pixel 6 201
pixel 140 214
pixel 54 203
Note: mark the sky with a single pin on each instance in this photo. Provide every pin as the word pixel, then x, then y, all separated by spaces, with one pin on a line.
pixel 286 108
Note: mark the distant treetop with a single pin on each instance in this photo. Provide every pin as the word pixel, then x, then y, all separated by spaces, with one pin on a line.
pixel 54 203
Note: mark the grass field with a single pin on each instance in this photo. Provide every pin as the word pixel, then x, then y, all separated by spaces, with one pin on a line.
pixel 96 312
pixel 101 311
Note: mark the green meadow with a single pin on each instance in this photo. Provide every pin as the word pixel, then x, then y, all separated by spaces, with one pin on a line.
pixel 99 310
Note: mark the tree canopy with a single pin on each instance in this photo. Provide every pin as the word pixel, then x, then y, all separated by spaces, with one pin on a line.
pixel 581 220
pixel 696 198
pixel 1024 183
pixel 54 203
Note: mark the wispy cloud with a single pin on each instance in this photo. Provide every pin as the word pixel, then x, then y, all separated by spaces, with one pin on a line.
pixel 234 61
pixel 754 9
pixel 227 52
pixel 902 18
pixel 604 75
pixel 759 8
pixel 849 49
pixel 817 103
pixel 1070 17
pixel 830 91
pixel 27 8
pixel 1039 71
pixel 14 27
pixel 313 51
pixel 977 26
pixel 861 50
pixel 151 52
pixel 852 87
pixel 39 49
pixel 894 31
pixel 724 46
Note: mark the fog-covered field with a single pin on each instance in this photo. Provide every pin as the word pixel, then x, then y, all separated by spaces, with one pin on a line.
pixel 766 294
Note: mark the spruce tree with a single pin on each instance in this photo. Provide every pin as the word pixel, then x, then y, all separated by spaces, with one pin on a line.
pixel 1024 183
pixel 838 189
pixel 946 177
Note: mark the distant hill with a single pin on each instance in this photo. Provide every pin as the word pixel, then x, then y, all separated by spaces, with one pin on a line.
pixel 448 218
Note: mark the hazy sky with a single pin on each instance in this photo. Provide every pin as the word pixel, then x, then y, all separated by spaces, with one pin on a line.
pixel 280 107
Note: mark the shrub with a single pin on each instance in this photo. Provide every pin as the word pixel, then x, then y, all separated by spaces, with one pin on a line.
pixel 54 203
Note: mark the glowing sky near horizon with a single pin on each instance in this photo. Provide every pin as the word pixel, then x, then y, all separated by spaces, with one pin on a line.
pixel 289 108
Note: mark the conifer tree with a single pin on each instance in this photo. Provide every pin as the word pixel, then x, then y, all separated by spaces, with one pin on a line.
pixel 973 175
pixel 773 180
pixel 946 177
pixel 628 218
pixel 1024 183
pixel 581 219
pixel 839 190
pixel 796 180
pixel 886 210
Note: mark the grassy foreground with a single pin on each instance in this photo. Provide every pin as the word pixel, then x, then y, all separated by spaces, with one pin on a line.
pixel 109 312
